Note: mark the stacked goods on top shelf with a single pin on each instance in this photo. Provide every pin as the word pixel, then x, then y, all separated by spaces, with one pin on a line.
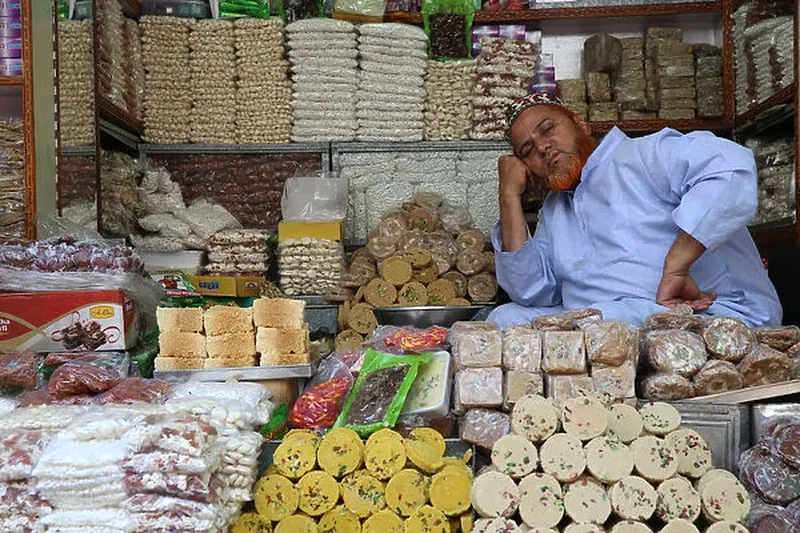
pixel 75 82
pixel 708 79
pixel 263 90
pixel 212 63
pixel 448 102
pixel 12 179
pixel 602 56
pixel 764 41
pixel 391 97
pixel 776 183
pixel 673 64
pixel 324 79
pixel 503 73
pixel 310 266
pixel 134 69
pixel 121 204
pixel 585 468
pixel 238 252
pixel 111 60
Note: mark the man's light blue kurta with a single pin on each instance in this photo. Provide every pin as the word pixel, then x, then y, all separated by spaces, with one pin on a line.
pixel 603 245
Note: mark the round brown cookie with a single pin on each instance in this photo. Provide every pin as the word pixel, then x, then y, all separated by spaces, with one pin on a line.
pixel 380 247
pixel 728 339
pixel 413 294
pixel 412 239
pixel 470 262
pixel 794 351
pixel 659 321
pixel 362 319
pixel 359 297
pixel 426 275
pixel 396 271
pixel 417 257
pixel 347 281
pixel 440 292
pixel 431 200
pixel 394 224
pixel 667 387
pixel 717 376
pixel 459 302
pixel 443 262
pixel 489 259
pixel 557 322
pixel 341 316
pixel 349 340
pixel 779 338
pixel 423 219
pixel 408 206
pixel 764 365
pixel 361 271
pixel 459 282
pixel 676 352
pixel 472 239
pixel 380 293
pixel 482 287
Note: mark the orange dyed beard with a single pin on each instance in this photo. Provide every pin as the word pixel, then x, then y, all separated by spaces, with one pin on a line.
pixel 567 173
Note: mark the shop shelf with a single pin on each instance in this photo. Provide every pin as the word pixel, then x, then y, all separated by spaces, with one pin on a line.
pixel 779 103
pixel 711 124
pixel 289 148
pixel 752 394
pixel 112 113
pixel 254 373
pixel 10 81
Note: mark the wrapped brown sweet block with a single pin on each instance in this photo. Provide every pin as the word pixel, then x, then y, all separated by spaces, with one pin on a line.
pixel 564 352
pixel 522 349
pixel 610 343
pixel 673 320
pixel 619 382
pixel 676 352
pixel 603 111
pixel 764 365
pixel 728 339
pixel 769 477
pixel 717 376
pixel 483 427
pixel 476 344
pixel 479 387
pixel 559 322
pixel 667 387
pixel 598 87
pixel 562 388
pixel 601 53
pixel 779 338
pixel 518 383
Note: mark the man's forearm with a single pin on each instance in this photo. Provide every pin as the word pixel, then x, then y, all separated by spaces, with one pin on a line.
pixel 513 226
pixel 685 250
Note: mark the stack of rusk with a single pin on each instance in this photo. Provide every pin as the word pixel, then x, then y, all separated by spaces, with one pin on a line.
pixel 282 336
pixel 181 343
pixel 230 337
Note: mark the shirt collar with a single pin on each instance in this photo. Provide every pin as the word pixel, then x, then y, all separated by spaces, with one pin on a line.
pixel 607 145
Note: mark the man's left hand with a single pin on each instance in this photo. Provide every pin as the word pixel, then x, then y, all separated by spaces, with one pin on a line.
pixel 678 288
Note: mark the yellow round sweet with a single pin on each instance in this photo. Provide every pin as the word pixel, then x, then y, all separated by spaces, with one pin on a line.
pixel 296 457
pixel 296 524
pixel 252 523
pixel 450 491
pixel 423 456
pixel 275 497
pixel 339 520
pixel 406 491
pixel 431 437
pixel 426 519
pixel 364 496
pixel 317 493
pixel 467 521
pixel 457 465
pixel 383 522
pixel 384 433
pixel 385 457
pixel 340 452
pixel 300 434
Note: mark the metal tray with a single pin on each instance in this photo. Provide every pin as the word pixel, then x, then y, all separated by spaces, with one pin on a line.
pixel 453 447
pixel 425 317
pixel 752 394
pixel 250 373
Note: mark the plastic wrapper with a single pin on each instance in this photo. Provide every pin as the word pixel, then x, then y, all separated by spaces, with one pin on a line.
pixel 717 376
pixel 479 387
pixel 201 488
pixel 764 365
pixel 610 343
pixel 728 339
pixel 773 480
pixel 360 10
pixel 671 320
pixel 561 388
pixel 257 9
pixel 519 383
pixel 483 427
pixel 219 412
pixel 111 519
pixel 7 405
pixel 20 370
pixel 206 218
pixel 448 24
pixel 19 452
pixel 379 393
pixel 786 443
pixel 172 434
pixel 314 198
pixel 321 402
pixel 91 374
pixel 770 519
pixel 254 395
pixel 476 344
pixel 619 382
pixel 564 352
pixel 18 497
pixel 136 390
pixel 400 340
pixel 676 352
pixel 667 387
pixel 170 462
pixel 47 418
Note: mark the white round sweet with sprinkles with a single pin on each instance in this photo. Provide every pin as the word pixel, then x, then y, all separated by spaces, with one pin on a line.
pixel 727 527
pixel 584 528
pixel 624 423
pixel 608 460
pixel 710 476
pixel 541 503
pixel 584 417
pixel 694 455
pixel 514 455
pixel 562 457
pixel 679 526
pixel 496 525
pixel 495 494
pixel 633 498
pixel 586 501
pixel 725 499
pixel 654 459
pixel 660 418
pixel 677 499
pixel 630 526
pixel 534 418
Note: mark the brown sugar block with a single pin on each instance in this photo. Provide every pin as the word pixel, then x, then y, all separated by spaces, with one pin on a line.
pixel 380 247
pixel 168 364
pixel 180 319
pixel 396 271
pixel 673 49
pixel 221 319
pixel 573 91
pixel 380 293
pixel 349 340
pixel 231 345
pixel 676 114
pixel 280 359
pixel 764 365
pixel 413 294
pixel 423 219
pixel 470 262
pixel 598 87
pixel 601 53
pixel 182 344
pixel 471 239
pixel 362 319
pixel 282 340
pixel 440 292
pixel 342 314
pixel 429 274
pixel 482 287
pixel 459 282
pixel 459 302
pixel 230 362
pixel 279 313
pixel 603 111
pixel 417 257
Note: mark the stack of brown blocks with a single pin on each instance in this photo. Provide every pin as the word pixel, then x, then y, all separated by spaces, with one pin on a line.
pixel 670 65
pixel 229 337
pixel 282 336
pixel 181 342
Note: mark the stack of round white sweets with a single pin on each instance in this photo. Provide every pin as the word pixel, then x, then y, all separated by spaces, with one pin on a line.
pixel 591 468
pixel 213 67
pixel 324 79
pixel 76 96
pixel 448 101
pixel 391 96
pixel 167 96
pixel 263 92
pixel 310 266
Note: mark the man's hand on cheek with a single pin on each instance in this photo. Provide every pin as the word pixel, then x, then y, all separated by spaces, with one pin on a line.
pixel 513 176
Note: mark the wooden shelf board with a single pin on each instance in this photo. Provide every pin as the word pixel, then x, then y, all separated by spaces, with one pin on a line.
pixel 113 114
pixel 711 124
pixel 784 96
pixel 132 8
pixel 10 81
pixel 551 13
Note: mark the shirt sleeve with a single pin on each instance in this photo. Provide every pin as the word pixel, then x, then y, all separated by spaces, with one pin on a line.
pixel 712 180
pixel 527 274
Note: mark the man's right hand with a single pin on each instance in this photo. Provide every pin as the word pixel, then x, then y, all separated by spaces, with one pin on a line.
pixel 513 176
pixel 513 179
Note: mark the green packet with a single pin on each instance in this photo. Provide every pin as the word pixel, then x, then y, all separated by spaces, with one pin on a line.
pixel 378 396
pixel 244 8
pixel 278 423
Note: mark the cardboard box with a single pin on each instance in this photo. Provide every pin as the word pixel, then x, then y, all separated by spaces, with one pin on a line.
pixel 333 231
pixel 67 321
pixel 241 287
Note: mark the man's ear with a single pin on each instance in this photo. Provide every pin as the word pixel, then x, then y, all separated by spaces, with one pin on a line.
pixel 582 124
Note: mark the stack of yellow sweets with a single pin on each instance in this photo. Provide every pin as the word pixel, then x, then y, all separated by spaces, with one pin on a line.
pixel 282 337
pixel 339 484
